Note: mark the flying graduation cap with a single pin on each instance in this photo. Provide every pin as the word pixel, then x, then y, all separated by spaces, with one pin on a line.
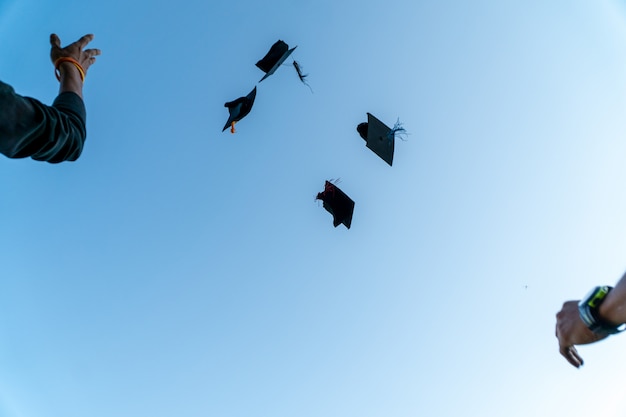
pixel 337 203
pixel 379 137
pixel 277 54
pixel 238 109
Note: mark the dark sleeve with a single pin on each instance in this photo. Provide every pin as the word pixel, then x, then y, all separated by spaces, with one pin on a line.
pixel 46 133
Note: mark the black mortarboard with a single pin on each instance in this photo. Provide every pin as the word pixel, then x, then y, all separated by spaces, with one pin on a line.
pixel 274 58
pixel 379 137
pixel 337 203
pixel 238 109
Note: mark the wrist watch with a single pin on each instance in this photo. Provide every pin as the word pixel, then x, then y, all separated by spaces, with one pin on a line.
pixel 588 309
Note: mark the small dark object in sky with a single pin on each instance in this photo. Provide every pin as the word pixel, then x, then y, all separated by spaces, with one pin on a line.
pixel 301 75
pixel 379 137
pixel 337 203
pixel 238 109
pixel 274 58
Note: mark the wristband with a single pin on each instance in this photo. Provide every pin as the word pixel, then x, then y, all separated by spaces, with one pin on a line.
pixel 588 310
pixel 80 69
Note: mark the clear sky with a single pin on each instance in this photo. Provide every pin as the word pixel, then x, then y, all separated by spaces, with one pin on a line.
pixel 175 270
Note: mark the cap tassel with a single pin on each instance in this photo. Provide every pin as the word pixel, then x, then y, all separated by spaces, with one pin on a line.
pixel 398 131
pixel 232 127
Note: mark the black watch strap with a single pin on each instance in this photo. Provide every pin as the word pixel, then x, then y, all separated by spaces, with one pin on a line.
pixel 588 309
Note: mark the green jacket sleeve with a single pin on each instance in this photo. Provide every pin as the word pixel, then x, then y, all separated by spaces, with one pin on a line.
pixel 29 128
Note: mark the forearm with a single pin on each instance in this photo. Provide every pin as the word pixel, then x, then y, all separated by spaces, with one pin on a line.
pixel 613 308
pixel 71 80
pixel 575 321
pixel 29 128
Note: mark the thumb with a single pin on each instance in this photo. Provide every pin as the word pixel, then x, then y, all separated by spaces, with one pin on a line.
pixel 55 41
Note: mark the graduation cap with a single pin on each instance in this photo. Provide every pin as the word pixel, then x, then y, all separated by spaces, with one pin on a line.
pixel 238 109
pixel 379 137
pixel 337 203
pixel 274 58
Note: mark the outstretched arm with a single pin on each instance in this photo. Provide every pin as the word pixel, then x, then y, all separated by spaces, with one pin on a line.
pixel 29 128
pixel 571 331
pixel 613 309
pixel 70 76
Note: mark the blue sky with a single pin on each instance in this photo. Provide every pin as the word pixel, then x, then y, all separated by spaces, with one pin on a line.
pixel 177 270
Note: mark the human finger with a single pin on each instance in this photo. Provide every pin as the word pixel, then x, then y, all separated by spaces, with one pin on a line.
pixel 574 353
pixel 82 42
pixel 55 41
pixel 570 353
pixel 92 52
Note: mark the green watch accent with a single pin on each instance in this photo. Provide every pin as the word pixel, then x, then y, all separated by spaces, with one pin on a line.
pixel 588 309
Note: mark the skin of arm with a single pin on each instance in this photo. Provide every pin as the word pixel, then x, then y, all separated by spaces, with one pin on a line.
pixel 613 308
pixel 29 128
pixel 571 331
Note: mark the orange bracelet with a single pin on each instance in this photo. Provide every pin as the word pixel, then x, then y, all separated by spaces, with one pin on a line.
pixel 80 69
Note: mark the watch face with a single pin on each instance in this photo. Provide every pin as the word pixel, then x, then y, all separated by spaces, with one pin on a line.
pixel 596 296
pixel 590 295
pixel 588 309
